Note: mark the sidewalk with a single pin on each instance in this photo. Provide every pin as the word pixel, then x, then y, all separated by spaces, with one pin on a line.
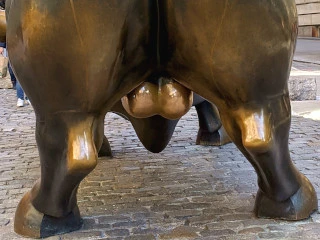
pixel 308 50
pixel 304 82
pixel 306 65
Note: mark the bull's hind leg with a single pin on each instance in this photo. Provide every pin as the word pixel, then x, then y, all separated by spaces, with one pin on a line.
pixel 211 132
pixel 105 150
pixel 67 145
pixel 261 133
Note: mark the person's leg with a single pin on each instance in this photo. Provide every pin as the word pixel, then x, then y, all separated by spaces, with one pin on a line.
pixel 20 95
pixel 12 76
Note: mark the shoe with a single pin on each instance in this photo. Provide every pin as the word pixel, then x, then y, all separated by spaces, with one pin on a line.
pixel 20 102
pixel 28 102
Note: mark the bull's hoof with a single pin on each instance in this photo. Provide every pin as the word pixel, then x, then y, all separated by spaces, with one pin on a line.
pixel 217 138
pixel 299 206
pixel 105 150
pixel 29 222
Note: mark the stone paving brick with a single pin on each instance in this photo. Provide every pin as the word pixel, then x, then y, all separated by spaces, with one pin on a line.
pixel 251 230
pixel 217 233
pixel 141 237
pixel 272 235
pixel 181 232
pixel 83 235
pixel 117 233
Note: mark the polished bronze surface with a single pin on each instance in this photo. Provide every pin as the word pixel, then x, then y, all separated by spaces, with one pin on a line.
pixel 27 220
pixel 3 26
pixel 235 54
pixel 256 133
pixel 160 129
pixel 82 154
pixel 168 99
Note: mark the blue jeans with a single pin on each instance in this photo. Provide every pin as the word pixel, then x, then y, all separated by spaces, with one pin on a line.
pixel 12 76
pixel 20 93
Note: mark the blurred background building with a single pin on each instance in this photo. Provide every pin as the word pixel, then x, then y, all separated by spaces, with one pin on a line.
pixel 309 18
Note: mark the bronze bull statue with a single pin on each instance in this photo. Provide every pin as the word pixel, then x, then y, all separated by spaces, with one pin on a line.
pixel 77 59
pixel 160 129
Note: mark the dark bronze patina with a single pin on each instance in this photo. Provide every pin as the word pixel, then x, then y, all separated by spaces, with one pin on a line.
pixel 236 54
pixel 160 129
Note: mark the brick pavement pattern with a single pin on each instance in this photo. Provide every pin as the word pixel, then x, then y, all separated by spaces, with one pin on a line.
pixel 185 192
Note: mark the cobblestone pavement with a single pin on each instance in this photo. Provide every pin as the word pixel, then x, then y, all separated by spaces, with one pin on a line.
pixel 185 192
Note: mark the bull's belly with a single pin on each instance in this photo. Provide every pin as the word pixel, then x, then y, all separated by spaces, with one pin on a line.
pixel 96 52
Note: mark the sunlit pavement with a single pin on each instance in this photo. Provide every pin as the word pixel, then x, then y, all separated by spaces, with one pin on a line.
pixel 307 63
